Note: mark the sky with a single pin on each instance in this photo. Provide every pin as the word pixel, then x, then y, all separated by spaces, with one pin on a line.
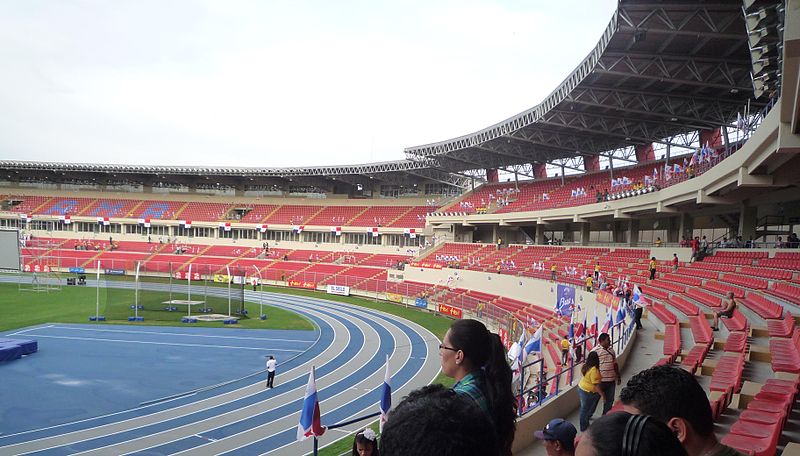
pixel 274 83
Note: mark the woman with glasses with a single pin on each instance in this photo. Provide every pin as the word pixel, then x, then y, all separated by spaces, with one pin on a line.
pixel 476 359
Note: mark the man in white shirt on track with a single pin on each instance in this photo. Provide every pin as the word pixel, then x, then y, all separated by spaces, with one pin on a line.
pixel 271 365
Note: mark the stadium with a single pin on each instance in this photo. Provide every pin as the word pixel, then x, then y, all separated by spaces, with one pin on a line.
pixel 663 163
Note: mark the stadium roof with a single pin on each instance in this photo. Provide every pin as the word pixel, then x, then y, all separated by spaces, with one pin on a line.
pixel 661 69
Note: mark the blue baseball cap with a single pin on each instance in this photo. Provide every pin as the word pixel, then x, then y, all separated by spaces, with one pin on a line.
pixel 561 430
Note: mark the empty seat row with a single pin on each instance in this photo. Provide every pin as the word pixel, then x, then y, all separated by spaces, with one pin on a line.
pixel 745 281
pixel 781 327
pixel 762 306
pixel 767 272
pixel 786 353
pixel 786 291
pixel 759 426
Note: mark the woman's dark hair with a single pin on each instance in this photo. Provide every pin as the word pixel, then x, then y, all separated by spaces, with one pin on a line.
pixel 485 350
pixel 623 434
pixel 360 438
pixel 437 421
pixel 592 360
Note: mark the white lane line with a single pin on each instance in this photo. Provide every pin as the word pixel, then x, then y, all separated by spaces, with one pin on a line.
pixel 138 342
pixel 72 328
pixel 30 329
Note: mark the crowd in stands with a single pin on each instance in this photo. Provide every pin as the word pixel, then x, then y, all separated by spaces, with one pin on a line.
pixel 664 410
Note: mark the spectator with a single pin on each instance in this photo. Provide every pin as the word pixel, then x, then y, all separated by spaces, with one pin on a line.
pixel 436 421
pixel 695 245
pixel 364 444
pixel 589 283
pixel 558 437
pixel 629 435
pixel 564 350
pixel 674 262
pixel 779 243
pixel 674 397
pixel 499 243
pixel 609 370
pixel 704 245
pixel 653 266
pixel 727 311
pixel 597 271
pixel 589 390
pixel 658 242
pixel 476 359
pixel 553 270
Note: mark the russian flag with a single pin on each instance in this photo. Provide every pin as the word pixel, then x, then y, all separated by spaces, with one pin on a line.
pixel 310 424
pixel 386 395
pixel 534 345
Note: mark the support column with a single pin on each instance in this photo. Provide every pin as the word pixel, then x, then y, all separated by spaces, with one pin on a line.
pixel 686 225
pixel 539 234
pixel 591 163
pixel 539 170
pixel 585 233
pixel 748 221
pixel 712 137
pixel 673 230
pixel 645 152
pixel 633 232
pixel 618 230
pixel 569 233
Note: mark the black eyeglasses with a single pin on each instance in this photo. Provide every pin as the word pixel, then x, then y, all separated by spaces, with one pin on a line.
pixel 445 347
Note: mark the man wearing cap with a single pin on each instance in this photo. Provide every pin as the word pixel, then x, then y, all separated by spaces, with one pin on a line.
pixel 558 437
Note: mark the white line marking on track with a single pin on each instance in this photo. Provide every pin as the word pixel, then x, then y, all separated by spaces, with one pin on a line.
pixel 93 339
pixel 173 334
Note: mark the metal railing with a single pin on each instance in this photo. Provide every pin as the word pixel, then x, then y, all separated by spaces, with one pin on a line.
pixel 531 397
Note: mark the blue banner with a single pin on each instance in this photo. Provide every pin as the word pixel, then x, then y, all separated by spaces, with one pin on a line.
pixel 421 302
pixel 115 272
pixel 565 300
pixel 77 270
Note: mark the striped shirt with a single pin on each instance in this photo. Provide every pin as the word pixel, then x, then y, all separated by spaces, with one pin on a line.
pixel 472 385
pixel 607 360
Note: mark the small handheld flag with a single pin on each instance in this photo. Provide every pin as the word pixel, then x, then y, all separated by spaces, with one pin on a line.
pixel 386 395
pixel 310 424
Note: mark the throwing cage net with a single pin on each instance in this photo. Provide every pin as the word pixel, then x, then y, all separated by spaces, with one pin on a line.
pixel 172 292
pixel 40 274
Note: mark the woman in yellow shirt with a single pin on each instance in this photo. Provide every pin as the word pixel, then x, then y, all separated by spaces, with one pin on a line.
pixel 589 388
pixel 653 266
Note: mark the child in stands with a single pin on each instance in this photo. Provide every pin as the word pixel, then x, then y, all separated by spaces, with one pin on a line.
pixel 365 443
